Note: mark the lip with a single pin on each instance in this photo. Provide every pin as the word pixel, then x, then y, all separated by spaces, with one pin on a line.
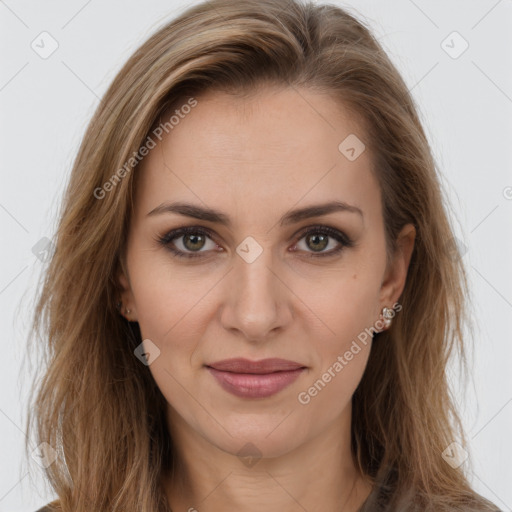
pixel 255 379
pixel 241 365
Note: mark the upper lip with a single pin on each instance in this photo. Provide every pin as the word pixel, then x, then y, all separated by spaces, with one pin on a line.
pixel 241 365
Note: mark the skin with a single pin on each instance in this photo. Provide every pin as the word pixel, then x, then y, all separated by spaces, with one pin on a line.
pixel 255 159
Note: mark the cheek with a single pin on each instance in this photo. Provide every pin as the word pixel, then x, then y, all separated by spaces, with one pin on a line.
pixel 172 312
pixel 170 300
pixel 343 302
pixel 341 358
pixel 168 313
pixel 329 392
pixel 342 339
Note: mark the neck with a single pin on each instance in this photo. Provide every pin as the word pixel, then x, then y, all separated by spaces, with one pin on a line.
pixel 318 475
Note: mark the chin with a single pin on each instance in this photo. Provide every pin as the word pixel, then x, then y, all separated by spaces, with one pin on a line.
pixel 263 438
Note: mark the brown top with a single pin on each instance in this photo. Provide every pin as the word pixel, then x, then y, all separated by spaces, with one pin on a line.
pixel 375 502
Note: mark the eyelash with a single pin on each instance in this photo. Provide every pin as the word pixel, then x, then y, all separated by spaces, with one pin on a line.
pixel 166 240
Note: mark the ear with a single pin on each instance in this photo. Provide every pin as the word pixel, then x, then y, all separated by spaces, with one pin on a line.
pixel 126 294
pixel 396 272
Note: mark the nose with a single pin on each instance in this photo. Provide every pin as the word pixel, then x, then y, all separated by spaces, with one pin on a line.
pixel 257 301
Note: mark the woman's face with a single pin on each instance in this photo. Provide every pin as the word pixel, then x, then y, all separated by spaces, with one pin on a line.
pixel 250 282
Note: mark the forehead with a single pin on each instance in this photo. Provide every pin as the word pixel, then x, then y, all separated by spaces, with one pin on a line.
pixel 271 150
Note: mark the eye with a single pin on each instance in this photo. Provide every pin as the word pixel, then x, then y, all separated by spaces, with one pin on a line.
pixel 191 240
pixel 317 239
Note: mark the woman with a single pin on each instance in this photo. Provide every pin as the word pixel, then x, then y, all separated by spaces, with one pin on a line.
pixel 254 296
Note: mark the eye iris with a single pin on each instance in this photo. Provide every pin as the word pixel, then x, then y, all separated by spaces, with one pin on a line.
pixel 323 243
pixel 194 239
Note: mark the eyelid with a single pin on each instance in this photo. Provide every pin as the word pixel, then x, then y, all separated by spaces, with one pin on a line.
pixel 167 240
pixel 343 240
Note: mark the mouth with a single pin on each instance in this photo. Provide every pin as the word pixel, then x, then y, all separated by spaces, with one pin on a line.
pixel 255 379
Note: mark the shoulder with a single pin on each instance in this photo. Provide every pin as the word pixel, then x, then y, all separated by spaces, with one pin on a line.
pixel 52 506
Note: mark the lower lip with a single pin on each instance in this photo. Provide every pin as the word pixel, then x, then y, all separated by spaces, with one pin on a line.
pixel 251 385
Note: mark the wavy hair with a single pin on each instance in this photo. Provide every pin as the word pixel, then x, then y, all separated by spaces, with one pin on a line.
pixel 101 410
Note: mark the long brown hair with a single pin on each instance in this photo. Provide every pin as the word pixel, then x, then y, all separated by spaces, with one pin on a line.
pixel 100 409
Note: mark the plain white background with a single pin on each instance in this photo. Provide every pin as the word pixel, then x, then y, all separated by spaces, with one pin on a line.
pixel 465 104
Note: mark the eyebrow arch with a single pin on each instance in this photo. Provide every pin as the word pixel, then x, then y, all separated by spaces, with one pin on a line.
pixel 215 216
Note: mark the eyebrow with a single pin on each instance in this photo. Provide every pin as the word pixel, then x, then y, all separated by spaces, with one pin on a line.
pixel 215 216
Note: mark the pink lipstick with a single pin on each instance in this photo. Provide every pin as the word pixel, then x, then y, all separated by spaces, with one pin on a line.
pixel 255 379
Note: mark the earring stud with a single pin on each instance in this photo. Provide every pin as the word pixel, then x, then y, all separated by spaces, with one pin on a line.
pixel 119 305
pixel 388 315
